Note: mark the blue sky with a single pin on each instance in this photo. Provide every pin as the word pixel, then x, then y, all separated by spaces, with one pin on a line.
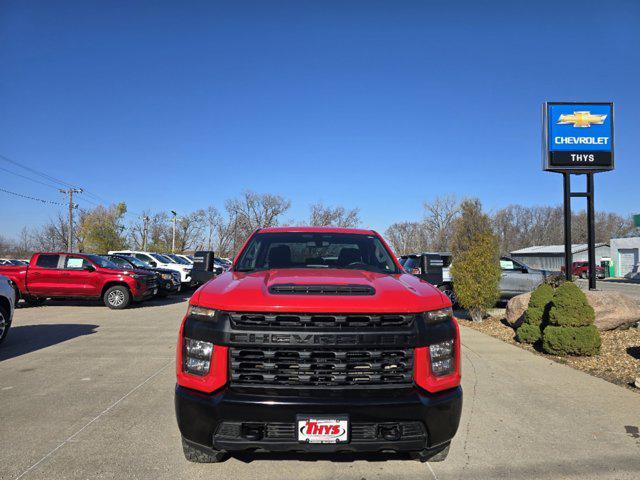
pixel 368 104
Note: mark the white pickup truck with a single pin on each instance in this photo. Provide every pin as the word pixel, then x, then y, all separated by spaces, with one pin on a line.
pixel 160 261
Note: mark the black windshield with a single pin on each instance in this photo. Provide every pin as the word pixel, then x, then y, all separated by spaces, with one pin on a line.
pixel 316 250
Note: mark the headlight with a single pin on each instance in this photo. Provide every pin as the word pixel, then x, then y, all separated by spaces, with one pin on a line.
pixel 166 276
pixel 201 311
pixel 197 356
pixel 442 358
pixel 435 316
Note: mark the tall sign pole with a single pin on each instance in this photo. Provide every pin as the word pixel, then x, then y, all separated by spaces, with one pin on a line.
pixel 578 140
pixel 568 252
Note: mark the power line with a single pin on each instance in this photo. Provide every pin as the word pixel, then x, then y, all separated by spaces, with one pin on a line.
pixel 30 197
pixel 50 178
pixel 37 172
pixel 29 178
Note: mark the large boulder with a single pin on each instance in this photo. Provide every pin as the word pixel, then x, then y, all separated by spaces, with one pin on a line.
pixel 613 310
pixel 516 308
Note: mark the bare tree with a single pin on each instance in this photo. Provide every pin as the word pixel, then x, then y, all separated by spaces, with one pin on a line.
pixel 189 230
pixel 251 211
pixel 213 220
pixel 52 236
pixel 323 216
pixel 406 237
pixel 440 215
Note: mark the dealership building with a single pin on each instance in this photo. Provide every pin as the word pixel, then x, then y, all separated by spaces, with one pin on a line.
pixel 625 254
pixel 551 257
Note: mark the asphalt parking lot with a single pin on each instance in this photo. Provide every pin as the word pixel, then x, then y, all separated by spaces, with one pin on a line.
pixel 87 393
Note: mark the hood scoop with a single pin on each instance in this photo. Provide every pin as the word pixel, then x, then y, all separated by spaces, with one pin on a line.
pixel 315 289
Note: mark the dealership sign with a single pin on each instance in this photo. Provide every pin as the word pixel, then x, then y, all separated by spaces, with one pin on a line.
pixel 578 137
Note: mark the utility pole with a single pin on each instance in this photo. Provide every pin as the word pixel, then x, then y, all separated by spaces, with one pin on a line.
pixel 145 226
pixel 173 242
pixel 70 192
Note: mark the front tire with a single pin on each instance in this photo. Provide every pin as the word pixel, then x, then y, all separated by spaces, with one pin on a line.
pixel 197 455
pixel 117 297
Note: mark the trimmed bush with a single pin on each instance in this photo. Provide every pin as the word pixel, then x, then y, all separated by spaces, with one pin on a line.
pixel 535 317
pixel 571 340
pixel 569 307
pixel 528 333
pixel 570 330
pixel 537 310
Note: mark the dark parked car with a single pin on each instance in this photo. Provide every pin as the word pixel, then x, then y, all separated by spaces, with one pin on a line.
pixel 168 280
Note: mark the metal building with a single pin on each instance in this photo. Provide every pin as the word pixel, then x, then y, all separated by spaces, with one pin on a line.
pixel 551 257
pixel 625 254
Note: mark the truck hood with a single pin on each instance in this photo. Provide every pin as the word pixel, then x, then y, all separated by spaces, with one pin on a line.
pixel 249 292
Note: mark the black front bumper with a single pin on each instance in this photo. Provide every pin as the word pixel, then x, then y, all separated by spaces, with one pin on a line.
pixel 230 418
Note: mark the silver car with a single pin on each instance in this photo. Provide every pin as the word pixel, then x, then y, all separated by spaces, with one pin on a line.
pixel 7 304
pixel 518 278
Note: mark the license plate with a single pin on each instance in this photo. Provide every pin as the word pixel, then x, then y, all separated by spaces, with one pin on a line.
pixel 317 429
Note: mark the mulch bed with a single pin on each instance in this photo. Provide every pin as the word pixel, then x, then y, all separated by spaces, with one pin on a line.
pixel 618 362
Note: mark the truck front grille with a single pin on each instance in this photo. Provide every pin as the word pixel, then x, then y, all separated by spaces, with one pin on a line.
pixel 316 321
pixel 320 367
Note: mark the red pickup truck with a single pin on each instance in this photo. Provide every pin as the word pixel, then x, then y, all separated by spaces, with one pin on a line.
pixel 581 269
pixel 315 341
pixel 76 275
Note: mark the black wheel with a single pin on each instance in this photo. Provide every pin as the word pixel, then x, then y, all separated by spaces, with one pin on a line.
pixel 117 297
pixel 5 324
pixel 197 455
pixel 433 455
pixel 35 301
pixel 447 289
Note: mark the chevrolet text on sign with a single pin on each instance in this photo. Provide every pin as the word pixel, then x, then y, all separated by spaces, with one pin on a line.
pixel 578 136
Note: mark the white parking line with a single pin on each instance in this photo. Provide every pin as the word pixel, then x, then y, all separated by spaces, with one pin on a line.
pixel 97 417
pixel 435 477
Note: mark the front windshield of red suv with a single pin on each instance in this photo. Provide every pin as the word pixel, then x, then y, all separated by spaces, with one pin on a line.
pixel 316 250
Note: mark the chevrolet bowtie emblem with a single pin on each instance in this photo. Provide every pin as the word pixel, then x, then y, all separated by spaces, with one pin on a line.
pixel 581 119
